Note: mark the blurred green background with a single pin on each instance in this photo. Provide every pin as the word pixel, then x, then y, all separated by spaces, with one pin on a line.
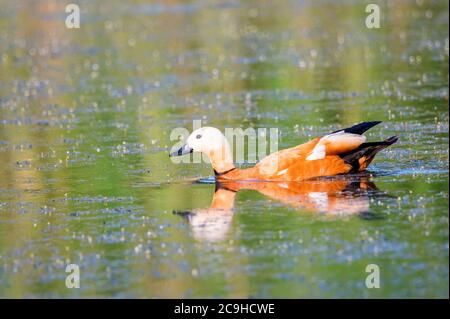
pixel 85 121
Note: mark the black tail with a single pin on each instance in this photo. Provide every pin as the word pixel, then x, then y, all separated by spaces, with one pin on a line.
pixel 359 128
pixel 361 157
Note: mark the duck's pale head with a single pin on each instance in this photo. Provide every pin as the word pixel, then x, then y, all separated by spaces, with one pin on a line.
pixel 211 142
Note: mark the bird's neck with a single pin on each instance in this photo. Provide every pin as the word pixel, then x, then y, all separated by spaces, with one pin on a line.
pixel 221 158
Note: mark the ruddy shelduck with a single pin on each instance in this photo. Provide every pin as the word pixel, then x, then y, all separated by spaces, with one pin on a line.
pixel 341 152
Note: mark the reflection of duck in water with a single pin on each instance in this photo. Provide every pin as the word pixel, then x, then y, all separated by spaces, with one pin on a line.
pixel 341 152
pixel 214 222
pixel 341 196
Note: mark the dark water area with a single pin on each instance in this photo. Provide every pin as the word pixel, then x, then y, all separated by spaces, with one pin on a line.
pixel 85 122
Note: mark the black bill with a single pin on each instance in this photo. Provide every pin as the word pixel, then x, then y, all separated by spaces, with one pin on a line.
pixel 182 151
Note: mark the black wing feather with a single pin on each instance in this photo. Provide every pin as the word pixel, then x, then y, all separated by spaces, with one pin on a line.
pixel 359 128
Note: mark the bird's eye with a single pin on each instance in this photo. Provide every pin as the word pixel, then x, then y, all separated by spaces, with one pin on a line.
pixel 199 136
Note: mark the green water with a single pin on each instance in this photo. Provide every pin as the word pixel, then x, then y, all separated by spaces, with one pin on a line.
pixel 85 122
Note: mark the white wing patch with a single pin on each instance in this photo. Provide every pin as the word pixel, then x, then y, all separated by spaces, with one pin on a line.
pixel 319 151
